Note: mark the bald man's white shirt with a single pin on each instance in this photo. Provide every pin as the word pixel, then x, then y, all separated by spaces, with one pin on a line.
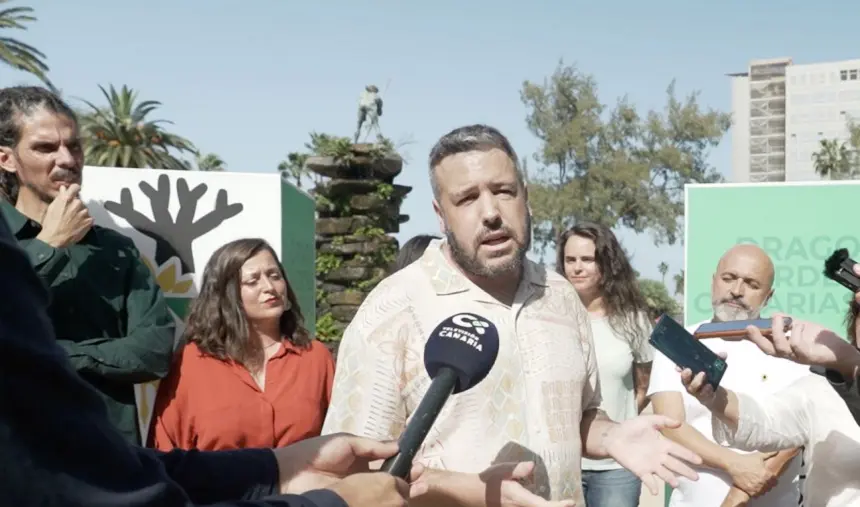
pixel 749 371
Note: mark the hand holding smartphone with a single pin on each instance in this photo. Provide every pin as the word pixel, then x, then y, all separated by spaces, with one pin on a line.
pixel 683 349
pixel 839 267
pixel 736 330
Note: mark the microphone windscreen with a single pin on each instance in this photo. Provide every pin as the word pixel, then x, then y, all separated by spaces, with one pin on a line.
pixel 466 343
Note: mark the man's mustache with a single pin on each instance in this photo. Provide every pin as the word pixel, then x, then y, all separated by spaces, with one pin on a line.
pixel 64 174
pixel 737 302
pixel 486 232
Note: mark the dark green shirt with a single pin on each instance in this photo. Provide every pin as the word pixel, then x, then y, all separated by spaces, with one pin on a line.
pixel 108 313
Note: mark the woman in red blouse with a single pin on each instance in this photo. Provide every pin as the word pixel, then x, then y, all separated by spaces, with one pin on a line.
pixel 250 375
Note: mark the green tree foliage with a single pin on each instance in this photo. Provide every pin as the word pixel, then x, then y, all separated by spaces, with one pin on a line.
pixel 15 53
pixel 614 165
pixel 210 162
pixel 658 299
pixel 293 168
pixel 122 134
pixel 679 283
pixel 663 268
pixel 339 148
pixel 837 160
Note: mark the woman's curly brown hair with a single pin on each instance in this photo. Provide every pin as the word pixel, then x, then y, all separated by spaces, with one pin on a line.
pixel 217 322
pixel 625 306
pixel 851 323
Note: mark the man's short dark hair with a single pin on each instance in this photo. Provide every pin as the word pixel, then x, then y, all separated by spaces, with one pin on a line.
pixel 470 138
pixel 17 102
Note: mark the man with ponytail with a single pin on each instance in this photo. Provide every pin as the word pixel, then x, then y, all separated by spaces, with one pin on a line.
pixel 106 309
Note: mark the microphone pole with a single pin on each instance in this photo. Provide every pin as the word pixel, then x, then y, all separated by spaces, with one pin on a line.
pixel 419 426
pixel 459 353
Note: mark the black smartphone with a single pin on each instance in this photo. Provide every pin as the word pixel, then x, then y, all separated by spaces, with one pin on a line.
pixel 736 330
pixel 686 351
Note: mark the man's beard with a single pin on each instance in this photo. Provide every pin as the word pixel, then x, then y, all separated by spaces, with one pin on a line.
pixel 724 312
pixel 41 195
pixel 58 174
pixel 470 263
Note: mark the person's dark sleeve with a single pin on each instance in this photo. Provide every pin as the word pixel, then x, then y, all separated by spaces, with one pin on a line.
pixel 247 474
pixel 57 446
pixel 146 352
pixel 847 389
pixel 49 262
pixel 241 474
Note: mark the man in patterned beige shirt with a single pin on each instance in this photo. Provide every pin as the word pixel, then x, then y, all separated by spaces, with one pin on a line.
pixel 539 404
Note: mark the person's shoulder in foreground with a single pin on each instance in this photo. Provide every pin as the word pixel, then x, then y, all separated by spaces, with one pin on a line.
pixel 57 447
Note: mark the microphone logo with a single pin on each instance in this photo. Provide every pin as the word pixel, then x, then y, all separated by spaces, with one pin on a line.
pixel 467 321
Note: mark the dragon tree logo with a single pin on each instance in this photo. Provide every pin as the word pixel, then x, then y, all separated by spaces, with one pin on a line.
pixel 173 264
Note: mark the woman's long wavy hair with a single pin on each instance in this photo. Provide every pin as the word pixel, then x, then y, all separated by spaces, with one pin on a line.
pixel 217 322
pixel 851 323
pixel 625 307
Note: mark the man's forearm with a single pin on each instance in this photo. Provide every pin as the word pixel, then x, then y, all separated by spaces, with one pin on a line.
pixel 136 359
pixel 726 407
pixel 736 497
pixel 713 455
pixel 220 476
pixel 777 464
pixel 780 461
pixel 594 428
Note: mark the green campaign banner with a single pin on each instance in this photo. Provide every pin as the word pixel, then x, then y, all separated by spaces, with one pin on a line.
pixel 177 219
pixel 298 247
pixel 798 224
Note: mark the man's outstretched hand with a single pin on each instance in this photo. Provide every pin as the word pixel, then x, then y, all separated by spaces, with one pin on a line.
pixel 505 490
pixel 322 462
pixel 638 446
pixel 500 485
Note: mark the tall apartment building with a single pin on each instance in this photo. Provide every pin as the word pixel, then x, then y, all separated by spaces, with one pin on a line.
pixel 781 112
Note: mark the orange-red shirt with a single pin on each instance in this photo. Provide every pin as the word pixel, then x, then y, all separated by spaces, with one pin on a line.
pixel 208 404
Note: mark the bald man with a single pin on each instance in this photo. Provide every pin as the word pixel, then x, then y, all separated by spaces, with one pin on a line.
pixel 740 288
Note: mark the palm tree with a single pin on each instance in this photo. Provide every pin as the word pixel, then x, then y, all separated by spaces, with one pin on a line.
pixel 293 168
pixel 121 135
pixel 679 283
pixel 663 268
pixel 832 160
pixel 17 54
pixel 210 162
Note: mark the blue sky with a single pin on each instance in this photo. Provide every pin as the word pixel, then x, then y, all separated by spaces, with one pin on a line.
pixel 250 84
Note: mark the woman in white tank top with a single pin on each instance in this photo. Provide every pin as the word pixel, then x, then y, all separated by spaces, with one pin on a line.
pixel 591 257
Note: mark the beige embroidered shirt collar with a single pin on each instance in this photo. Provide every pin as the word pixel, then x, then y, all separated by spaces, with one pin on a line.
pixel 446 279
